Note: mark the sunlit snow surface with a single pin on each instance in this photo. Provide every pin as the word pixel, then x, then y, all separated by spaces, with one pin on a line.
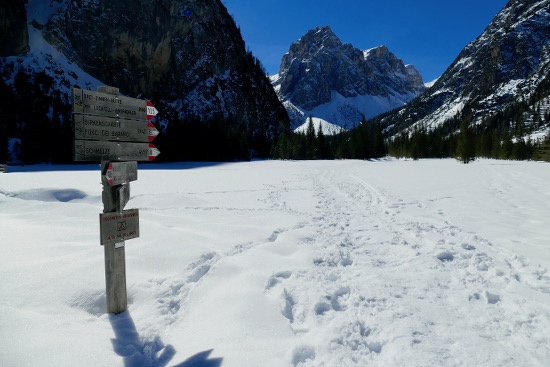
pixel 280 263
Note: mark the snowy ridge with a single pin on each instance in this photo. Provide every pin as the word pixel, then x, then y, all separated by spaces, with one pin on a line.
pixel 283 264
pixel 327 127
pixel 346 112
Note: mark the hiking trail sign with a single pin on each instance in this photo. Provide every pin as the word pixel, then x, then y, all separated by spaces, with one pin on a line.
pixel 89 127
pixel 93 150
pixel 116 131
pixel 106 104
pixel 108 127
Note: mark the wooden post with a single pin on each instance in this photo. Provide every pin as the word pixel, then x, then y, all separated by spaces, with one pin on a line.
pixel 115 255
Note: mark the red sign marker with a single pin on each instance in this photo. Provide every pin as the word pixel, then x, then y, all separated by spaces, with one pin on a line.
pixel 153 152
pixel 153 132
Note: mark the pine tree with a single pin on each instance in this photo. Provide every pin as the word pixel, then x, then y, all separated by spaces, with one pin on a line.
pixel 465 150
pixel 310 132
pixel 321 145
pixel 543 150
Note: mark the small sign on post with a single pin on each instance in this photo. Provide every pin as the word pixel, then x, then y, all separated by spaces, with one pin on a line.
pixel 120 173
pixel 115 130
pixel 118 227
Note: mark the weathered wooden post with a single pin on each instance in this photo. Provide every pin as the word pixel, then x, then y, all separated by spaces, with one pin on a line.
pixel 116 131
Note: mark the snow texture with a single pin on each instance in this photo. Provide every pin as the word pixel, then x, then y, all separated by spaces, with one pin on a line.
pixel 282 263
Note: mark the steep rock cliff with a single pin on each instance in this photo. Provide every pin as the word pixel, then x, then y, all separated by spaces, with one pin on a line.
pixel 14 35
pixel 339 83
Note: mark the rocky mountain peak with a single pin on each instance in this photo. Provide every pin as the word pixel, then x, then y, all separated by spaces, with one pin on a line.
pixel 320 36
pixel 319 68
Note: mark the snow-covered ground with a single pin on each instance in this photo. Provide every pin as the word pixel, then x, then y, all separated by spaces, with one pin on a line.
pixel 272 263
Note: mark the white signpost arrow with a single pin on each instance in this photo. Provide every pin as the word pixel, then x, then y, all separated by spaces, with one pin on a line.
pixel 151 111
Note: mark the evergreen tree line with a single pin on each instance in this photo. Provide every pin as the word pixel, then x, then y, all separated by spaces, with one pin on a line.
pixel 363 142
pixel 469 143
pixel 39 116
pixel 500 136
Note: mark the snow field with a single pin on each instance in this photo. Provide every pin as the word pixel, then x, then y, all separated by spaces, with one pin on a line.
pixel 270 263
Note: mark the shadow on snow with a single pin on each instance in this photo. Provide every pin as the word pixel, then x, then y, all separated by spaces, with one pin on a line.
pixel 138 353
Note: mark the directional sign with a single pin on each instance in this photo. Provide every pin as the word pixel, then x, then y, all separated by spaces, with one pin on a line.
pixel 118 227
pixel 88 127
pixel 91 150
pixel 103 104
pixel 119 173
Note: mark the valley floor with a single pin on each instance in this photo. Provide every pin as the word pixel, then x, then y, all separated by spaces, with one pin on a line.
pixel 281 263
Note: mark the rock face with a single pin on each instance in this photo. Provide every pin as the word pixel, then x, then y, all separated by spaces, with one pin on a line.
pixel 14 35
pixel 318 65
pixel 188 57
pixel 188 53
pixel 503 65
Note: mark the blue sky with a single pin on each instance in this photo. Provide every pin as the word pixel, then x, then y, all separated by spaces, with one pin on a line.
pixel 426 33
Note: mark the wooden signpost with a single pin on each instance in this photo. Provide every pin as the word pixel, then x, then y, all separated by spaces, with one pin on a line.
pixel 93 150
pixel 88 127
pixel 114 130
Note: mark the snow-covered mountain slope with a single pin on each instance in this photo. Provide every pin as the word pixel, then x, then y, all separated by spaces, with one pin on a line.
pixel 43 57
pixel 320 125
pixel 506 64
pixel 322 77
